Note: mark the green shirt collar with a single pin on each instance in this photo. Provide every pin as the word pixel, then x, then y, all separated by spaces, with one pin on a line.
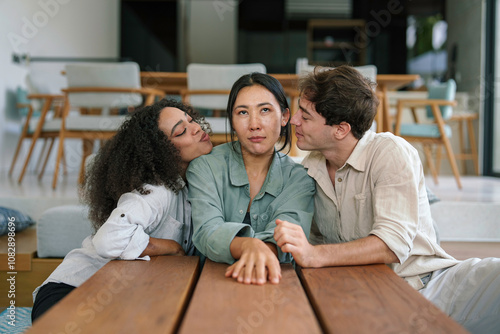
pixel 273 183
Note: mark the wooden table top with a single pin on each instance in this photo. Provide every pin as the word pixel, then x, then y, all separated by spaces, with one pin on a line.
pixel 395 81
pixel 371 299
pixel 153 297
pixel 222 305
pixel 126 297
pixel 174 82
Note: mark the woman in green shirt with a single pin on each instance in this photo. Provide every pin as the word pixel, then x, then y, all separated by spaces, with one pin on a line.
pixel 239 190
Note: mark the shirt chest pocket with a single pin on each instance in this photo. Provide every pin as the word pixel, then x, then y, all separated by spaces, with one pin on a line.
pixel 363 213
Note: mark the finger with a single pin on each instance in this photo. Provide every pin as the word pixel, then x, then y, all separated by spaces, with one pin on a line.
pixel 254 277
pixel 229 271
pixel 238 267
pixel 260 271
pixel 274 274
pixel 246 276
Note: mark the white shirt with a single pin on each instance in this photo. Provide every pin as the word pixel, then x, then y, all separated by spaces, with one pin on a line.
pixel 159 214
pixel 379 191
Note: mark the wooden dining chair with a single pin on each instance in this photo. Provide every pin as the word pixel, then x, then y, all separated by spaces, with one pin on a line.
pixel 37 125
pixel 209 86
pixel 439 107
pixel 96 89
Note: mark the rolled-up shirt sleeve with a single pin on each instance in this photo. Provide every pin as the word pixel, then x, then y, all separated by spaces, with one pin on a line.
pixel 122 235
pixel 212 235
pixel 395 207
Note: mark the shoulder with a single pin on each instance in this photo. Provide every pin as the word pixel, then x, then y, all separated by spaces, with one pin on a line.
pixel 292 170
pixel 388 145
pixel 218 157
pixel 154 195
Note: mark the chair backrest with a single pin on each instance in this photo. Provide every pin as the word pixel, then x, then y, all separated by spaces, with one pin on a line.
pixel 218 77
pixel 368 71
pixel 442 91
pixel 111 75
pixel 22 98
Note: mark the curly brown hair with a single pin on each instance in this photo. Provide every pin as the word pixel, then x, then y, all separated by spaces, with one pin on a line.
pixel 140 153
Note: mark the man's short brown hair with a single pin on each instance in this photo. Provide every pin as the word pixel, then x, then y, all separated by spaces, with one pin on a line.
pixel 341 94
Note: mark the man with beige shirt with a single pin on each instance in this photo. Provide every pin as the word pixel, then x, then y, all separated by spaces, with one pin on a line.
pixel 371 203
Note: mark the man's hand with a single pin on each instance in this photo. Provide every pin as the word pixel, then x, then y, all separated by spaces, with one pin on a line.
pixel 292 239
pixel 257 262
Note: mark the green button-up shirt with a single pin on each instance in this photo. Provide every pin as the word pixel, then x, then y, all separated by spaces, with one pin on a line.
pixel 219 193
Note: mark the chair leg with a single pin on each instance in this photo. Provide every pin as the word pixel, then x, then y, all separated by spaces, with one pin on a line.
pixel 28 157
pixel 46 159
pixel 430 162
pixel 453 162
pixel 40 156
pixel 438 157
pixel 58 159
pixel 18 148
pixel 36 135
pixel 87 148
pixel 473 149
pixel 462 146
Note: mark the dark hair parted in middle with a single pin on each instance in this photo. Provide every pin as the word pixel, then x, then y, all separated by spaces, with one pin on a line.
pixel 273 86
pixel 342 94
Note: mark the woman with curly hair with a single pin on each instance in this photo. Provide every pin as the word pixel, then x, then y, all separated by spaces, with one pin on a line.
pixel 137 198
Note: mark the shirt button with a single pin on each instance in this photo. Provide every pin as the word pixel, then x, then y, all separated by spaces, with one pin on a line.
pixel 255 216
pixel 185 241
pixel 339 179
pixel 241 212
pixel 122 215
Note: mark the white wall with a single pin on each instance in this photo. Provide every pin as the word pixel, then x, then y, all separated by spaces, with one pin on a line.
pixel 48 28
pixel 211 33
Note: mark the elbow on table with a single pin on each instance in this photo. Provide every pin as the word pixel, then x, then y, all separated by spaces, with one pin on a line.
pixel 104 250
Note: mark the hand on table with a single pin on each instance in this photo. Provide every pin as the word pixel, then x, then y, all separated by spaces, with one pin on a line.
pixel 257 262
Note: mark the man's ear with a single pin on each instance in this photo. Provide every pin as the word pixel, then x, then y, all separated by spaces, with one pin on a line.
pixel 342 130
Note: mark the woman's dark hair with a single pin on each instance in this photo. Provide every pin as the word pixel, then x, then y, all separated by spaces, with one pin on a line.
pixel 341 95
pixel 272 85
pixel 140 153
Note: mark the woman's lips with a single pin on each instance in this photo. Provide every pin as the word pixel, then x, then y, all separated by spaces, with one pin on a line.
pixel 256 139
pixel 205 137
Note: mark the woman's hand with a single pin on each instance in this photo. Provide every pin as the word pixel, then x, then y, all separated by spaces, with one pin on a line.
pixel 162 247
pixel 257 262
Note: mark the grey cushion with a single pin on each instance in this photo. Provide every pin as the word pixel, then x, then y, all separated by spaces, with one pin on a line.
pixel 19 221
pixel 61 229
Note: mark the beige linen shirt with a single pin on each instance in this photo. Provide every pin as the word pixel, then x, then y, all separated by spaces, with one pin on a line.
pixel 379 191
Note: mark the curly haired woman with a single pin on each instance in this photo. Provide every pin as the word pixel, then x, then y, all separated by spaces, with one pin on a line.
pixel 137 197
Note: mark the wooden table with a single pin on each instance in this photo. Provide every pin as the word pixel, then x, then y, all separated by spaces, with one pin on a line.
pixel 371 299
pixel 222 305
pixel 152 297
pixel 126 297
pixel 174 82
pixel 388 82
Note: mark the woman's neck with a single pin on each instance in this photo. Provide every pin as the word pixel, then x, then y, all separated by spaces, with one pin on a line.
pixel 257 165
pixel 257 168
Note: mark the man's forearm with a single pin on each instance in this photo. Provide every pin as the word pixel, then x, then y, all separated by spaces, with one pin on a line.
pixel 367 250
